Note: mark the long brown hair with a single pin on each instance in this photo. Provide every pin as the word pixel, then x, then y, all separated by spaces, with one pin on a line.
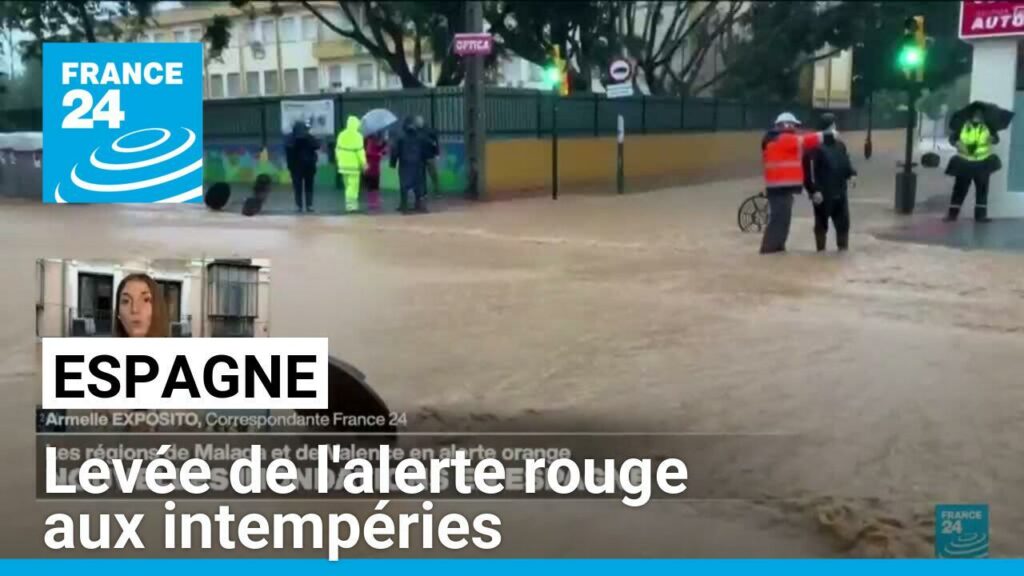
pixel 159 325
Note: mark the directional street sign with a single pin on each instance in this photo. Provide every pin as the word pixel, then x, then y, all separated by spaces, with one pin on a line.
pixel 619 90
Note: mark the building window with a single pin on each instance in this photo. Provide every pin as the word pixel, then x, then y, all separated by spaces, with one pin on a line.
pixel 310 80
pixel 252 32
pixel 195 34
pixel 232 298
pixel 234 89
pixel 267 31
pixel 291 81
pixel 95 310
pixel 393 81
pixel 171 290
pixel 252 83
pixel 535 72
pixel 326 32
pixel 309 28
pixel 288 32
pixel 216 86
pixel 364 75
pixel 180 36
pixel 334 76
pixel 270 87
pixel 234 31
pixel 160 37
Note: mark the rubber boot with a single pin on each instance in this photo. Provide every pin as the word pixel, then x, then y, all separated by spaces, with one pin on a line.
pixel 819 241
pixel 842 241
pixel 981 214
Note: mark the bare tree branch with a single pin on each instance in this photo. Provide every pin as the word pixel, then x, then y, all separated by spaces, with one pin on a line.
pixel 679 15
pixel 678 42
pixel 693 68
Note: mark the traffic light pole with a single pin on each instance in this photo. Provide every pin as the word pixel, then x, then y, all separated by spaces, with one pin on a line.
pixel 906 180
pixel 868 145
pixel 473 110
pixel 554 146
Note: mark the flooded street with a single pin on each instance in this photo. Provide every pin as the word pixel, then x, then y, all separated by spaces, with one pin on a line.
pixel 897 365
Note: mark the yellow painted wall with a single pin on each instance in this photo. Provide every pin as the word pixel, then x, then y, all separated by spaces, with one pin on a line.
pixel 523 166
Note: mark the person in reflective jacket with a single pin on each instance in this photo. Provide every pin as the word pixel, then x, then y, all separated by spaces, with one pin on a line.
pixel 351 157
pixel 974 162
pixel 782 151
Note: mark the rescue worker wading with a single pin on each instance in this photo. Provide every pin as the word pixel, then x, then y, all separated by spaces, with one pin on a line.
pixel 974 162
pixel 351 157
pixel 782 151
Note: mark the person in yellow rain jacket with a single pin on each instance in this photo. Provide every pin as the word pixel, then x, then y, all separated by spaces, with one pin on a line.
pixel 974 162
pixel 351 157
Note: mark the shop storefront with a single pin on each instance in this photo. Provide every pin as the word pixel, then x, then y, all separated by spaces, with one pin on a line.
pixel 996 31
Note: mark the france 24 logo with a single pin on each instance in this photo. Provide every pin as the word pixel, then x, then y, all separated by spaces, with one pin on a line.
pixel 122 123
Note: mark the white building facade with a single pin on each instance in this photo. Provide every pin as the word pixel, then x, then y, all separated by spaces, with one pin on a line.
pixel 271 54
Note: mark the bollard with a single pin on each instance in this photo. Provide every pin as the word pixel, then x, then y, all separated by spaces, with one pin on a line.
pixel 620 176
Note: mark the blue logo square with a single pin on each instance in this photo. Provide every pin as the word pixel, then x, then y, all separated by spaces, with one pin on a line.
pixel 122 123
pixel 961 531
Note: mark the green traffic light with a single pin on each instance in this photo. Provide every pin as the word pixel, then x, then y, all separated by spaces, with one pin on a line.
pixel 552 75
pixel 911 58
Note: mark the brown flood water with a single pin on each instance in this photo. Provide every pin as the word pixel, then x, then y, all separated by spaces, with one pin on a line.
pixel 898 365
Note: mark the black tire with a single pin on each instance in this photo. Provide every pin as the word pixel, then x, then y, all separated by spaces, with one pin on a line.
pixel 753 214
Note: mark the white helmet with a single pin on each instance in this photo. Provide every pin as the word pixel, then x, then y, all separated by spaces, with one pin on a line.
pixel 786 118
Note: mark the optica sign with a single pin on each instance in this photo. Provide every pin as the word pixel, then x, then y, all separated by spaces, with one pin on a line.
pixel 984 19
pixel 473 44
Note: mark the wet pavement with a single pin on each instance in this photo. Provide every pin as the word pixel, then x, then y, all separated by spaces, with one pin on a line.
pixel 897 365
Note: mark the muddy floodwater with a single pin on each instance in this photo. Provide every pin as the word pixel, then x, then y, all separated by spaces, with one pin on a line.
pixel 897 366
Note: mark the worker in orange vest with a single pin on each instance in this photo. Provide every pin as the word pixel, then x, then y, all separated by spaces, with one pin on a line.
pixel 782 151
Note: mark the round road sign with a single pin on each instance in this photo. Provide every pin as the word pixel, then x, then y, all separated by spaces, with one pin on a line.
pixel 620 70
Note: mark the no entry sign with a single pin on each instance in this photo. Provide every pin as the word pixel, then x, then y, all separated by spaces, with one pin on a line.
pixel 473 44
pixel 991 19
pixel 620 70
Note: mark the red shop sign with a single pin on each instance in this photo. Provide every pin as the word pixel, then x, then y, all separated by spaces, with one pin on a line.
pixel 982 19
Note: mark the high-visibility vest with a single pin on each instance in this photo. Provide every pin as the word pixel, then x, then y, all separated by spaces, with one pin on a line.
pixel 977 139
pixel 782 157
pixel 349 151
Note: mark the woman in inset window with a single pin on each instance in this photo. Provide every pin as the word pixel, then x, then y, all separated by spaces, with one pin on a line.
pixel 141 309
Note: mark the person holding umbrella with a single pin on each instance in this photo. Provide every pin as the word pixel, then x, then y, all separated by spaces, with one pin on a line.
pixel 973 131
pixel 374 125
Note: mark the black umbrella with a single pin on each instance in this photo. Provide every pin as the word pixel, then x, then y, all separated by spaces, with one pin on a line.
pixel 996 118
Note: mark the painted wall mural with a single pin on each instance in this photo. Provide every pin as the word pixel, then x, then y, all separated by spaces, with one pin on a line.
pixel 241 163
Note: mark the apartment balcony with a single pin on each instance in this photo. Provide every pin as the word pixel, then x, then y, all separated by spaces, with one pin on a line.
pixel 336 49
pixel 339 49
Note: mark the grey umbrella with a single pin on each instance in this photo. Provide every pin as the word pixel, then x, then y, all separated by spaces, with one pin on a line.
pixel 376 120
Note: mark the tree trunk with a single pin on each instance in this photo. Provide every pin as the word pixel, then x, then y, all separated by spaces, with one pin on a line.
pixel 87 23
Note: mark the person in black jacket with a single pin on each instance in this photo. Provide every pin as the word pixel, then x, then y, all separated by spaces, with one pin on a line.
pixel 300 155
pixel 827 171
pixel 433 153
pixel 410 155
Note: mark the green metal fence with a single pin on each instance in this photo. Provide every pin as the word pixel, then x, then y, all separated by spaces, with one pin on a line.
pixel 509 113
